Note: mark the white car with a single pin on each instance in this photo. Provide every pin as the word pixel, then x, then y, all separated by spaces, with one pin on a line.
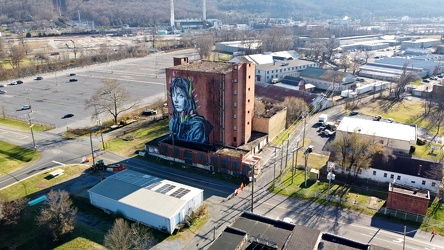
pixel 390 120
pixel 25 107
pixel 2 92
pixel 328 132
pixel 13 83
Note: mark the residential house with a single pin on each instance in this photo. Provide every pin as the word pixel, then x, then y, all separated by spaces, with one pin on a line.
pixel 328 79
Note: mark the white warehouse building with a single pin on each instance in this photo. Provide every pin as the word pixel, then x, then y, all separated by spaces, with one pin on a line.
pixel 155 202
pixel 399 137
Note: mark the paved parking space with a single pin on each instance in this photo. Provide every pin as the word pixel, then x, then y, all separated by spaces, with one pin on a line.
pixel 54 96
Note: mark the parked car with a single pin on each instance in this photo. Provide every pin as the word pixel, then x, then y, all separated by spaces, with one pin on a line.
pixel 328 132
pixel 354 112
pixel 149 112
pixel 390 120
pixel 19 81
pixel 67 116
pixel 73 80
pixel 426 80
pixel 13 83
pixel 377 118
pixel 25 107
pixel 2 92
pixel 2 85
pixel 72 74
pixel 39 78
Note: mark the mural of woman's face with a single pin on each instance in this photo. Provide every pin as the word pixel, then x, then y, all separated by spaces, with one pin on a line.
pixel 179 98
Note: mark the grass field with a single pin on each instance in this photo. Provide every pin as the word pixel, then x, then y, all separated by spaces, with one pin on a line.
pixel 91 225
pixel 125 146
pixel 14 157
pixel 22 125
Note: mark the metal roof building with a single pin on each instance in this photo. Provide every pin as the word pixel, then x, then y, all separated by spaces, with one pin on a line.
pixel 395 135
pixel 155 202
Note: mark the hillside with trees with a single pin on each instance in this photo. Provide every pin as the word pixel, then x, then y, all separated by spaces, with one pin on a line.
pixel 150 12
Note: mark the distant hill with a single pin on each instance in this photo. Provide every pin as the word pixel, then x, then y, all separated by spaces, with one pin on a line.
pixel 149 12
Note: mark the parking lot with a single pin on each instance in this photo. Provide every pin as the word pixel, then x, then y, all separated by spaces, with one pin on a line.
pixel 54 96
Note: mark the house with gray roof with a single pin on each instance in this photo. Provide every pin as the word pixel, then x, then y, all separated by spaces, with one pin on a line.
pixel 328 79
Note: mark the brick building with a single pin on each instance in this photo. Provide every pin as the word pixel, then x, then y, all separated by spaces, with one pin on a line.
pixel 210 109
pixel 407 199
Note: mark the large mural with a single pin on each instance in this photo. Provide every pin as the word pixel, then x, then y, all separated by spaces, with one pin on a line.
pixel 186 124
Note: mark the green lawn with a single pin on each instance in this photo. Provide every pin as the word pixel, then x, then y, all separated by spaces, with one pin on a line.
pixel 125 146
pixel 42 181
pixel 13 157
pixel 18 124
pixel 406 111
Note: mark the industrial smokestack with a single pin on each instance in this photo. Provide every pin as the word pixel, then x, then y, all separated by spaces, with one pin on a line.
pixel 172 13
pixel 204 10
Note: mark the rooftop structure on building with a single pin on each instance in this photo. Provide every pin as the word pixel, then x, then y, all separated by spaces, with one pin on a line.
pixel 252 231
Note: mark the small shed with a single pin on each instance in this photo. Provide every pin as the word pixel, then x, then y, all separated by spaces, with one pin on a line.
pixel 155 202
pixel 314 174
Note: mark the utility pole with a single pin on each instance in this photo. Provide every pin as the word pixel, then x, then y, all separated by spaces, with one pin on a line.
pixel 403 242
pixel 296 161
pixel 307 152
pixel 286 155
pixel 303 134
pixel 252 187
pixel 92 149
pixel 32 133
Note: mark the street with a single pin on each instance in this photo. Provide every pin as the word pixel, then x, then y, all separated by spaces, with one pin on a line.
pixel 56 151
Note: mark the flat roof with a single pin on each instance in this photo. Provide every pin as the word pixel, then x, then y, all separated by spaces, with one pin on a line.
pixel 149 193
pixel 285 64
pixel 206 66
pixel 395 131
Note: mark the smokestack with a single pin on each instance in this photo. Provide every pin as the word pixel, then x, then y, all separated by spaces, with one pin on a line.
pixel 204 10
pixel 172 13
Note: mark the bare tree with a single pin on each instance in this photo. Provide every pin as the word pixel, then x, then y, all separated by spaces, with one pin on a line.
pixel 204 43
pixel 122 236
pixel 367 54
pixel 295 108
pixel 59 215
pixel 330 46
pixel 17 55
pixel 404 80
pixel 10 211
pixel 259 107
pixel 111 98
pixel 344 62
pixel 277 39
pixel 353 151
pixel 435 114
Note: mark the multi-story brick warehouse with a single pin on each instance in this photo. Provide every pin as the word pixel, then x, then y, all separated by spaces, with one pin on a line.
pixel 211 109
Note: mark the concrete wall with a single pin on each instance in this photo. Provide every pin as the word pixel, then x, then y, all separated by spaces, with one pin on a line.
pixel 271 126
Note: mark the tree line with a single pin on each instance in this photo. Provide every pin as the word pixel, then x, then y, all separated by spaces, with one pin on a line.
pixel 149 13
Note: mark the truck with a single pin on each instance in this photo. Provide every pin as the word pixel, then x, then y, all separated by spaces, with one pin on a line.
pixel 323 118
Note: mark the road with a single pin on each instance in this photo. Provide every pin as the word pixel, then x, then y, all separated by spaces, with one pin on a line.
pixel 56 151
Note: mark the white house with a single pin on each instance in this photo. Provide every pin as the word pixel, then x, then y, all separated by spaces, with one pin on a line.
pixel 405 171
pixel 155 202
pixel 399 137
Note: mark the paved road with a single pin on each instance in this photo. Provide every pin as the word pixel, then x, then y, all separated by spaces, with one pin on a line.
pixel 349 224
